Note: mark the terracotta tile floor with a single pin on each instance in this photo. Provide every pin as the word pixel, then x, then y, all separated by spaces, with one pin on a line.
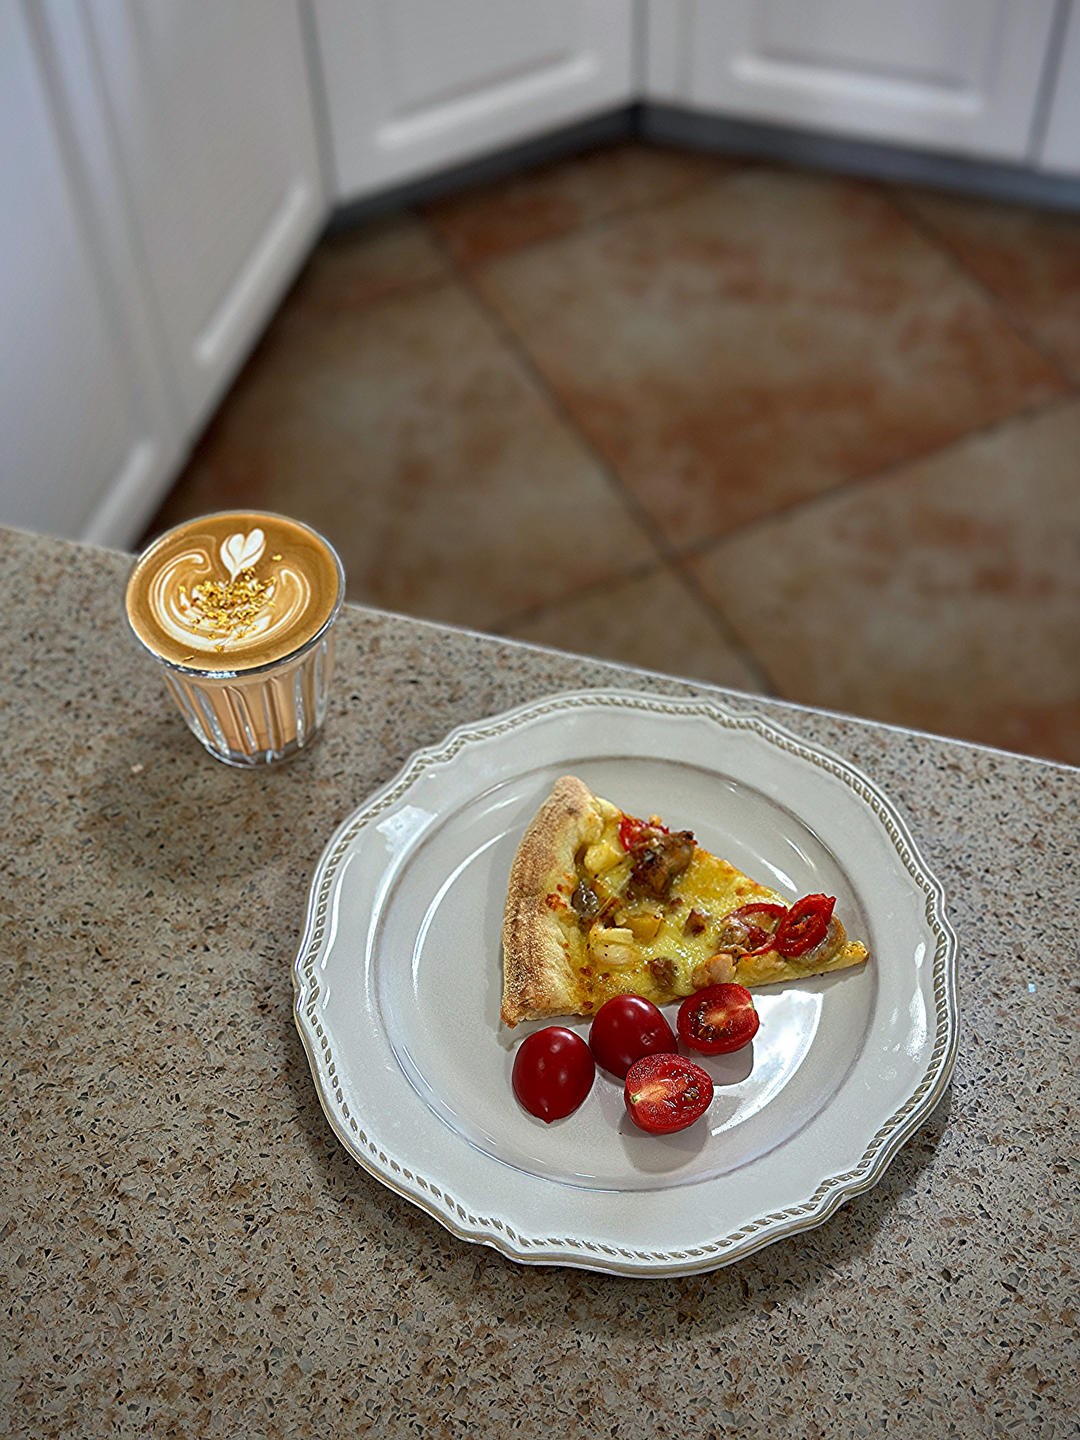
pixel 801 435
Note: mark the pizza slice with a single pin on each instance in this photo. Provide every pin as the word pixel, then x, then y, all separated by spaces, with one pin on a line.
pixel 601 903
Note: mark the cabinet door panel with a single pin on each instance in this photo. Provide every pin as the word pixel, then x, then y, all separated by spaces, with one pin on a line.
pixel 961 76
pixel 80 433
pixel 414 85
pixel 435 58
pixel 1060 148
pixel 213 119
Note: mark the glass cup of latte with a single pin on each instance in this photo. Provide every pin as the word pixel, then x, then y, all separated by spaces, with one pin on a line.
pixel 238 610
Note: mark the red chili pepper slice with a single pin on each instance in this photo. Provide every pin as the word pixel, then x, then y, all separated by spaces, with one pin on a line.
pixel 805 925
pixel 758 907
pixel 757 939
pixel 760 945
pixel 634 832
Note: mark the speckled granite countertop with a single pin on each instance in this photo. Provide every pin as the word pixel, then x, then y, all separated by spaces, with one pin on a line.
pixel 188 1251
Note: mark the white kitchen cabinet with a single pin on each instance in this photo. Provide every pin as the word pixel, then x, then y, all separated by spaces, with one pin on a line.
pixel 413 86
pixel 86 434
pixel 956 75
pixel 162 178
pixel 213 121
pixel 1060 148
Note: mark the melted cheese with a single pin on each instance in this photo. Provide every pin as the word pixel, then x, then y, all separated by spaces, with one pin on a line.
pixel 621 957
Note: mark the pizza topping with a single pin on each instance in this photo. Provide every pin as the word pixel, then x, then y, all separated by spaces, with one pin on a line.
pixel 695 923
pixel 664 1093
pixel 663 971
pixel 612 946
pixel 718 1020
pixel 645 924
pixel 826 947
pixel 658 863
pixel 635 833
pixel 585 901
pixel 600 856
pixel 805 925
pixel 719 969
pixel 742 930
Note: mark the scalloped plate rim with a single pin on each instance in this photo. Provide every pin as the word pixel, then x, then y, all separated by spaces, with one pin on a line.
pixel 601 1257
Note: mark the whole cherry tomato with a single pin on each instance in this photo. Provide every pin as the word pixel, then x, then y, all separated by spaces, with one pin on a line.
pixel 625 1028
pixel 666 1092
pixel 553 1072
pixel 718 1019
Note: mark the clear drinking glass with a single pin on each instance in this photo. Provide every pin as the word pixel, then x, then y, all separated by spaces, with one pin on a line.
pixel 238 610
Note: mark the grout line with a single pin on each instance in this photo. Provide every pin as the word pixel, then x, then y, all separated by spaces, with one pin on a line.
pixel 842 488
pixel 516 347
pixel 762 679
pixel 644 571
pixel 670 555
pixel 664 550
pixel 940 242
pixel 687 582
pixel 728 632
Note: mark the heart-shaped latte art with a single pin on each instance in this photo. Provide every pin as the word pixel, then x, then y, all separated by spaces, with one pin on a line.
pixel 240 551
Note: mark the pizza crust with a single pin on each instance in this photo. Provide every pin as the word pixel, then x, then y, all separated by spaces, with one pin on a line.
pixel 835 952
pixel 539 973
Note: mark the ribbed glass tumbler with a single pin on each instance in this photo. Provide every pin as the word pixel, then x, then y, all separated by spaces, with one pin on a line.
pixel 238 610
pixel 257 717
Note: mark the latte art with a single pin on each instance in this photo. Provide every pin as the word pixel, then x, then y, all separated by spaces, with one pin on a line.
pixel 194 609
pixel 233 592
pixel 240 551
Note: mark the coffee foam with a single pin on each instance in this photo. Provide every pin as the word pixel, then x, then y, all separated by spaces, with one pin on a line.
pixel 233 591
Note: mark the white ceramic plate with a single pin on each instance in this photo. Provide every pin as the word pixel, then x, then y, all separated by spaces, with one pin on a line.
pixel 399 978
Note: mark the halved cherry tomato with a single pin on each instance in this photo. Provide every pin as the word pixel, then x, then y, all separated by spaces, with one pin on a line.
pixel 757 939
pixel 627 1027
pixel 666 1092
pixel 805 924
pixel 553 1072
pixel 718 1019
pixel 634 832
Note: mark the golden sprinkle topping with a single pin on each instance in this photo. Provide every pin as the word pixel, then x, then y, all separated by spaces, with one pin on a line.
pixel 227 610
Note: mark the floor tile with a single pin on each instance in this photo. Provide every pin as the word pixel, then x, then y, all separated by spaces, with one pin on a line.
pixel 945 596
pixel 552 199
pixel 354 266
pixel 653 621
pixel 411 436
pixel 1030 258
pixel 760 341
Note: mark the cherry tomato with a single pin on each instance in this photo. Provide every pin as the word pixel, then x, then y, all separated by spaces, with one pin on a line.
pixel 666 1092
pixel 805 924
pixel 553 1072
pixel 625 1028
pixel 718 1020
